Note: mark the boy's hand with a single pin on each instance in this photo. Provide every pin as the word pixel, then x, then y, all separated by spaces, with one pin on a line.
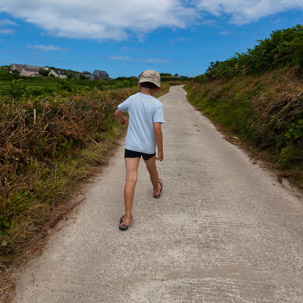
pixel 123 121
pixel 159 140
pixel 160 156
pixel 119 115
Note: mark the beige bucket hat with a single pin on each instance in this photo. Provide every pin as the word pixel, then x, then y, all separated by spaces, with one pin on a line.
pixel 150 76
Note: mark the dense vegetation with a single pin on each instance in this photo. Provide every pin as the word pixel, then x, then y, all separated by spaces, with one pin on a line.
pixel 167 77
pixel 258 96
pixel 45 146
pixel 13 85
pixel 282 48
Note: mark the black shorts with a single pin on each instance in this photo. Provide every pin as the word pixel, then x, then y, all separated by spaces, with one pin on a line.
pixel 134 154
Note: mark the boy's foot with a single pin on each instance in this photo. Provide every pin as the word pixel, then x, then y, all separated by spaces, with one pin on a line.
pixel 124 223
pixel 158 195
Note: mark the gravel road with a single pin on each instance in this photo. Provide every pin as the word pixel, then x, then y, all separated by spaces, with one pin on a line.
pixel 225 230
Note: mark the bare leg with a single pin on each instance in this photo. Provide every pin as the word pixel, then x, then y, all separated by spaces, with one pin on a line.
pixel 131 165
pixel 153 173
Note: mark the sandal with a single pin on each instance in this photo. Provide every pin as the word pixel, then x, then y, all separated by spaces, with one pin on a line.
pixel 122 226
pixel 159 194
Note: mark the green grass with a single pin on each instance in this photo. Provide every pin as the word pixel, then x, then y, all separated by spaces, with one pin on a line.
pixel 264 111
pixel 20 87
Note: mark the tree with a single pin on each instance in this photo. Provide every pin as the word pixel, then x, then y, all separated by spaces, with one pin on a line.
pixel 43 72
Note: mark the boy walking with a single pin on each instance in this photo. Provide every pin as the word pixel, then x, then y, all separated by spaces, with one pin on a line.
pixel 144 134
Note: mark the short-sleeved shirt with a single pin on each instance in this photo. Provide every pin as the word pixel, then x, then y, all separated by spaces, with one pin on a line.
pixel 144 111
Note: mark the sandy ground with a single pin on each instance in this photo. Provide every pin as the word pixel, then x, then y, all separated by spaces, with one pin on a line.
pixel 223 231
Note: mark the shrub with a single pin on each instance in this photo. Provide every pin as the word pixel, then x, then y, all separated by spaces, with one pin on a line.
pixel 282 48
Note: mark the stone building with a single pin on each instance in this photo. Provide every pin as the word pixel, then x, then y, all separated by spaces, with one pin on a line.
pixel 101 74
pixel 25 70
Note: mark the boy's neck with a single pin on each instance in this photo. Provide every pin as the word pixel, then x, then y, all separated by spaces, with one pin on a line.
pixel 147 91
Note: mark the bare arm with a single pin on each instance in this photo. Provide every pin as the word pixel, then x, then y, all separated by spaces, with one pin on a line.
pixel 159 140
pixel 119 115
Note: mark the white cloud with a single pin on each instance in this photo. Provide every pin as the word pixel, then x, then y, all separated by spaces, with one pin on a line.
pixel 156 60
pixel 145 60
pixel 6 31
pixel 7 22
pixel 48 48
pixel 226 33
pixel 100 19
pixel 242 12
pixel 117 58
pixel 116 19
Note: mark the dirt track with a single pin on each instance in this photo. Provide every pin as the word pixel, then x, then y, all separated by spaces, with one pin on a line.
pixel 224 230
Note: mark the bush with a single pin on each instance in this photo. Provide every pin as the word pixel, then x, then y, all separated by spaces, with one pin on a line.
pixel 270 118
pixel 43 72
pixel 42 144
pixel 282 48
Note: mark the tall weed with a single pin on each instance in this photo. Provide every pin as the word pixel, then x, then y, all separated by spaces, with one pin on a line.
pixel 45 146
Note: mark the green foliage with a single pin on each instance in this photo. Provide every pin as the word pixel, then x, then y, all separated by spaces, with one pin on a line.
pixel 298 53
pixel 295 131
pixel 71 74
pixel 82 77
pixel 46 145
pixel 120 82
pixel 267 117
pixel 16 89
pixel 14 86
pixel 166 75
pixel 229 112
pixel 284 48
pixel 5 75
pixel 43 72
pixel 4 224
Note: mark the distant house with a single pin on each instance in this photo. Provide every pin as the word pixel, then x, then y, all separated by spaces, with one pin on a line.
pixel 90 76
pixel 25 70
pixel 57 74
pixel 96 75
pixel 101 74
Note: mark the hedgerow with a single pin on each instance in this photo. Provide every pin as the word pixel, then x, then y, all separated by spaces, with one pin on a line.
pixel 265 111
pixel 45 145
pixel 284 48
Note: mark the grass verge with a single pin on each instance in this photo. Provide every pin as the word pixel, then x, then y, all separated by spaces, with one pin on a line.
pixel 51 203
pixel 265 112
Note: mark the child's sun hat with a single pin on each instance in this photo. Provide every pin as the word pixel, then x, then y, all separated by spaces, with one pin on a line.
pixel 150 76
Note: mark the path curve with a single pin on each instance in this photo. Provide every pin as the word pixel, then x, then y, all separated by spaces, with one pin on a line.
pixel 224 230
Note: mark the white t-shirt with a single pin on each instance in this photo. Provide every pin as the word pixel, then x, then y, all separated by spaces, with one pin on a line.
pixel 144 111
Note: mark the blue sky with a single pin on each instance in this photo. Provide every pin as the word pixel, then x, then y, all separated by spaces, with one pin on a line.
pixel 127 37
